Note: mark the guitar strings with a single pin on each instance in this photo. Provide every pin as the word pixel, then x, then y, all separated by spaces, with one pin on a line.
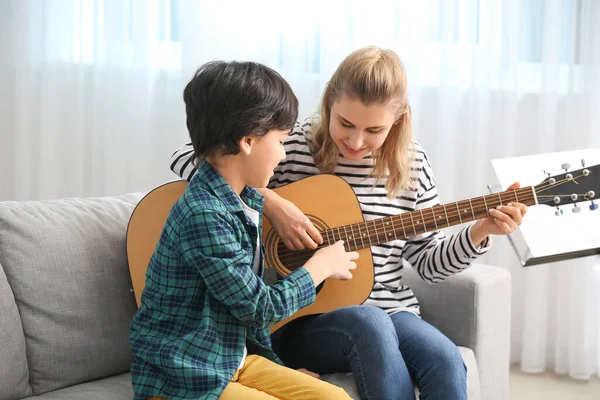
pixel 380 226
pixel 300 256
pixel 292 260
pixel 380 230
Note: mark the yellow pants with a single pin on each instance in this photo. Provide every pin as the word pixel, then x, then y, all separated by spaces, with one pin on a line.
pixel 262 379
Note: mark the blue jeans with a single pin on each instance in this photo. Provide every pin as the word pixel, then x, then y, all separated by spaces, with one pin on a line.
pixel 386 353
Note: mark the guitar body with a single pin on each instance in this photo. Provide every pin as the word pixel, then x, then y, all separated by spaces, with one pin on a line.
pixel 327 200
pixel 145 227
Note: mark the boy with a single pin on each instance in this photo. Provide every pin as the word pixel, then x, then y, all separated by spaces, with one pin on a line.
pixel 202 328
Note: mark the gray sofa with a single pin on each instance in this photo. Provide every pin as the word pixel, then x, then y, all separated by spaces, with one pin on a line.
pixel 66 305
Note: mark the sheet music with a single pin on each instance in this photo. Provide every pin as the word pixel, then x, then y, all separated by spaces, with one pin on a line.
pixel 545 233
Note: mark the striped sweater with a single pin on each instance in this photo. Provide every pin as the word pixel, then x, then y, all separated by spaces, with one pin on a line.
pixel 433 255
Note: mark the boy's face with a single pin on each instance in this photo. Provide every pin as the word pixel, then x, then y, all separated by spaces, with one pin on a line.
pixel 266 152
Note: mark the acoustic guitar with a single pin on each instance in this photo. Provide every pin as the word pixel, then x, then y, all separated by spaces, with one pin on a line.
pixel 336 213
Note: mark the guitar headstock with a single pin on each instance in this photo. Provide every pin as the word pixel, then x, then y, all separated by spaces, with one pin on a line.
pixel 571 187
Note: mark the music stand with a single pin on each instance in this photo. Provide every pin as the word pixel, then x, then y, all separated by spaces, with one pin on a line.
pixel 544 237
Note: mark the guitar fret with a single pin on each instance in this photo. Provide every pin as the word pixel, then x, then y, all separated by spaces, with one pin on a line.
pixel 472 211
pixel 340 235
pixel 413 223
pixel 353 237
pixel 346 236
pixel 360 235
pixel 377 239
pixel 434 221
pixel 423 218
pixel 368 234
pixel 402 222
pixel 487 209
pixel 516 197
pixel 500 197
pixel 393 228
pixel 458 212
pixel 446 213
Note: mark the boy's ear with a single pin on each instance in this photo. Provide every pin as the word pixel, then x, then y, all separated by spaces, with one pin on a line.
pixel 245 144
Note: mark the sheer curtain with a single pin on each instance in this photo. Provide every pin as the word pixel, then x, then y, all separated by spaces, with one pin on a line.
pixel 90 104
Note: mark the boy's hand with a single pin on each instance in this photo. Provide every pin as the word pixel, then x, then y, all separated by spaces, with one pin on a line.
pixel 332 262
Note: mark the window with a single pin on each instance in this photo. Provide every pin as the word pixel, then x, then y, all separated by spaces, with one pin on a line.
pixel 131 33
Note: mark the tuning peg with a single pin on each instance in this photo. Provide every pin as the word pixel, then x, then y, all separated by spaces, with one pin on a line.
pixel 576 209
pixel 583 162
pixel 593 206
pixel 566 166
pixel 548 171
pixel 558 212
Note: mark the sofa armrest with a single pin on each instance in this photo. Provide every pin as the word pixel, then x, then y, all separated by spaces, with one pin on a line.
pixel 472 308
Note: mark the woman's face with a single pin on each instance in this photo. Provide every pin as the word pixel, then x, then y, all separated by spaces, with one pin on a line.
pixel 359 130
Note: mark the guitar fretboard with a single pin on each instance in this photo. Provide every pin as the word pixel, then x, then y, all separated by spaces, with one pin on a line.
pixel 408 224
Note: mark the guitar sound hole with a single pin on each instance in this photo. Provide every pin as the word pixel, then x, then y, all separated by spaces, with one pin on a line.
pixel 281 261
pixel 292 260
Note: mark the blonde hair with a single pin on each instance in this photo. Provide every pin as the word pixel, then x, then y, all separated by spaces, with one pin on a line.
pixel 373 76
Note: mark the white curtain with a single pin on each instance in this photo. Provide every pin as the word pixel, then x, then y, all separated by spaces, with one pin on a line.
pixel 90 105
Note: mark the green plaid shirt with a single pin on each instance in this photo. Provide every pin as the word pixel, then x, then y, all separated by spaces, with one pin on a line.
pixel 202 303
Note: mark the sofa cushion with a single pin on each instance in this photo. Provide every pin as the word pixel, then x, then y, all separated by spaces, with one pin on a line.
pixel 66 263
pixel 112 388
pixel 14 376
pixel 347 382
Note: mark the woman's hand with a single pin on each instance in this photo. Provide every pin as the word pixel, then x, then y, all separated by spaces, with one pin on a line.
pixel 294 228
pixel 503 220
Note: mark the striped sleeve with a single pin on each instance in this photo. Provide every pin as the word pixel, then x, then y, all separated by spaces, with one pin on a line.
pixel 434 255
pixel 182 162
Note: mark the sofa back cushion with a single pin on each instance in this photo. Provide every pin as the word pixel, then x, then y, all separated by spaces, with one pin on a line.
pixel 14 376
pixel 66 263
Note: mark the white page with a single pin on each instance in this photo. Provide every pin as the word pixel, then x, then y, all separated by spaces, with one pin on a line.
pixel 545 233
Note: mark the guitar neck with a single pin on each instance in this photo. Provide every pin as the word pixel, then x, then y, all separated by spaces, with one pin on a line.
pixel 409 224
